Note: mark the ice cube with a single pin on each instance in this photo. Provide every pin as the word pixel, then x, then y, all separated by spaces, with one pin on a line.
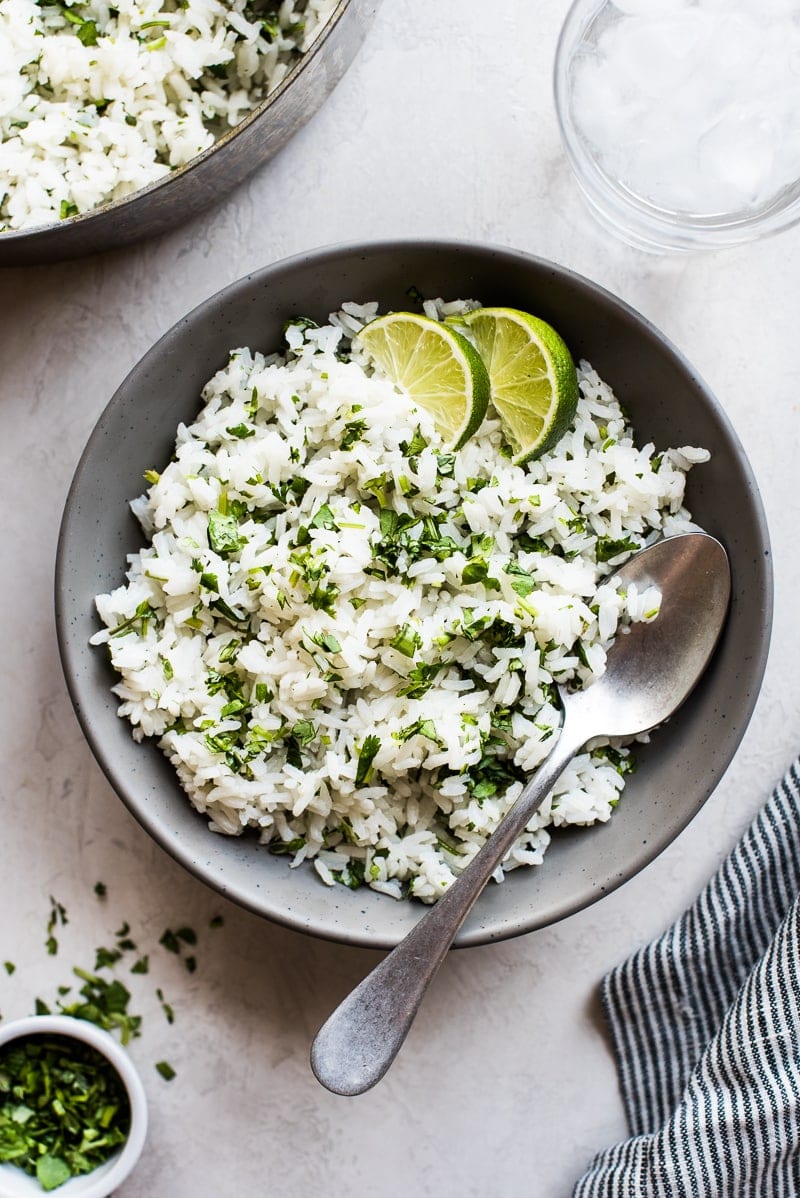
pixel 737 159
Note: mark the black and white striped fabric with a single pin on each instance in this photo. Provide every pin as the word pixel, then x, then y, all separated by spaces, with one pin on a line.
pixel 706 1030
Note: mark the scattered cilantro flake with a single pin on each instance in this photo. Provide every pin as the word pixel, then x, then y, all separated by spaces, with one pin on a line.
pixel 169 1013
pixel 9 967
pixel 166 1070
pixel 101 890
pixel 106 957
pixel 170 941
pixel 216 921
pixel 58 916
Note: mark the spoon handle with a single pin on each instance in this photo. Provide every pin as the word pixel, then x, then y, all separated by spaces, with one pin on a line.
pixel 358 1042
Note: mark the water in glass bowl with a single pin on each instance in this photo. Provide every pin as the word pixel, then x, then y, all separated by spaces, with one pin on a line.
pixel 680 117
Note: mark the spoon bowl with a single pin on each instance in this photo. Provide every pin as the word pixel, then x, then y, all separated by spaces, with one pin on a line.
pixel 651 669
pixel 654 665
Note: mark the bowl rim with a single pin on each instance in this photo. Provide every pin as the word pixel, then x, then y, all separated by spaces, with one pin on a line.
pixel 89 1033
pixel 12 236
pixel 508 927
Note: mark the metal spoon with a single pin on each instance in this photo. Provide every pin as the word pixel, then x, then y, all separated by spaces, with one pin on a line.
pixel 650 670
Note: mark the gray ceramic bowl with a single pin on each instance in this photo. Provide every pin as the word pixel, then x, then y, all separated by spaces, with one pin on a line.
pixel 209 176
pixel 668 404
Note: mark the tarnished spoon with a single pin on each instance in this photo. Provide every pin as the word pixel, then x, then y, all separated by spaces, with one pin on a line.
pixel 650 671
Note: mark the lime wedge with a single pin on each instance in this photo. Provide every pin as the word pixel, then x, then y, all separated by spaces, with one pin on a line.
pixel 534 384
pixel 436 367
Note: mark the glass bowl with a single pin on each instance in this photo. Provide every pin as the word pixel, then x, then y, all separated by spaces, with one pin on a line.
pixel 677 117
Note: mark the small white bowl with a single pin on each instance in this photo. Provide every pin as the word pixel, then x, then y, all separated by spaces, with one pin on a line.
pixel 14 1183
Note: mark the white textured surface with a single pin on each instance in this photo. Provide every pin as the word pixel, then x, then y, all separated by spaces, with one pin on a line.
pixel 505 1086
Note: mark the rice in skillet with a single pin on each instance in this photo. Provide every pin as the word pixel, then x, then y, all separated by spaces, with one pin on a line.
pixel 99 99
pixel 347 638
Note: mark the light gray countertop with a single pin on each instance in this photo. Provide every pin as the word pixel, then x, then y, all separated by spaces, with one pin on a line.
pixel 506 1086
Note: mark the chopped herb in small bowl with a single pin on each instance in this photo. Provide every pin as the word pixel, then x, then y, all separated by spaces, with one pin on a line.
pixel 72 1109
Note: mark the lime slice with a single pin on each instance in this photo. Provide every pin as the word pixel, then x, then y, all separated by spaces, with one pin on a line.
pixel 436 367
pixel 534 383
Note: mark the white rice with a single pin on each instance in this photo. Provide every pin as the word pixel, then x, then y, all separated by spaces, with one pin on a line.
pixel 98 100
pixel 281 628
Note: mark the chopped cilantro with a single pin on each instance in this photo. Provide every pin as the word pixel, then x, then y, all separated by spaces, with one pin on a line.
pixel 323 518
pixel 170 941
pixel 523 581
pixel 415 446
pixel 366 756
pixel 607 549
pixel 352 875
pixel 407 641
pixel 58 916
pixel 421 678
pixel 169 1013
pixel 106 957
pixel 623 761
pixel 353 432
pixel 63 1108
pixel 279 848
pixel 327 641
pixel 240 431
pixel 304 732
pixel 475 570
pixel 421 727
pixel 223 533
pixel 87 33
pixel 166 1070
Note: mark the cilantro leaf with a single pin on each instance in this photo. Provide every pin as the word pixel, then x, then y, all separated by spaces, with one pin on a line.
pixel 366 756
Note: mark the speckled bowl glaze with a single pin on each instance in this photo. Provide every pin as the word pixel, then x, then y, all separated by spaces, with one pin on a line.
pixel 208 177
pixel 667 402
pixel 103 1180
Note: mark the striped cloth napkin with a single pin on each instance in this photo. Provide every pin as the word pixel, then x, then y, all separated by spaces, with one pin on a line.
pixel 705 1024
